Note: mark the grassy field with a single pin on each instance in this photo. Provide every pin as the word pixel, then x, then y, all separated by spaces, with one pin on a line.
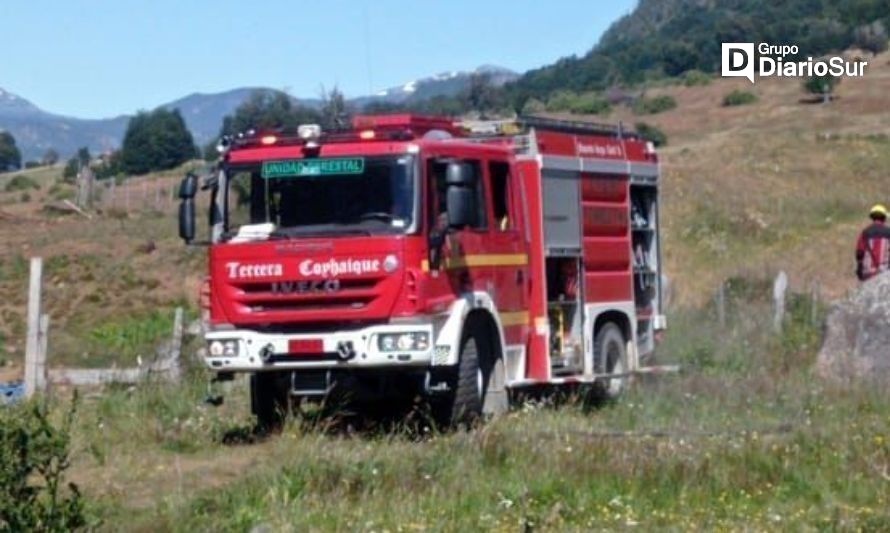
pixel 745 438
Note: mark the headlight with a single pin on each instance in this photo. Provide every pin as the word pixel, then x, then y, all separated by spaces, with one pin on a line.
pixel 223 348
pixel 412 341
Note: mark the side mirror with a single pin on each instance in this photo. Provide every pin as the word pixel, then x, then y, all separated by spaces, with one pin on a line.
pixel 461 205
pixel 187 220
pixel 461 196
pixel 189 187
pixel 460 174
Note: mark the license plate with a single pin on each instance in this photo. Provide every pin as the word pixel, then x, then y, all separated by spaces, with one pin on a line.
pixel 305 346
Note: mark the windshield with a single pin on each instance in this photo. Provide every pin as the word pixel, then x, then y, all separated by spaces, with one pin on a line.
pixel 325 195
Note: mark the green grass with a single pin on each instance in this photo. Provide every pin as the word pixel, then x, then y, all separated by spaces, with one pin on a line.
pixel 132 335
pixel 744 438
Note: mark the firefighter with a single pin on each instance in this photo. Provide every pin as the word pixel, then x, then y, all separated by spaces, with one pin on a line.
pixel 873 246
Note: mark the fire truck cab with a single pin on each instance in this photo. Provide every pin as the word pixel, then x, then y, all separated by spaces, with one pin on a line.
pixel 411 256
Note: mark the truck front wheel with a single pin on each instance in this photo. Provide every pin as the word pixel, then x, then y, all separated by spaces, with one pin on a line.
pixel 478 385
pixel 269 399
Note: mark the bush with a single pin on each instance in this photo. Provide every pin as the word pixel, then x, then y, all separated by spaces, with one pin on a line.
pixel 25 197
pixel 651 134
pixel 34 455
pixel 21 183
pixel 739 97
pixel 533 106
pixel 590 103
pixel 652 106
pixel 694 78
pixel 561 101
pixel 821 85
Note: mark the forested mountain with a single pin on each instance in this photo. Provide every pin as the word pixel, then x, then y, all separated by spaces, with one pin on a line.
pixel 668 37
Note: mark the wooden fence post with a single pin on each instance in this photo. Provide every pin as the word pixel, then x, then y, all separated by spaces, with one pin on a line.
pixel 176 346
pixel 721 304
pixel 42 344
pixel 780 285
pixel 32 344
pixel 815 298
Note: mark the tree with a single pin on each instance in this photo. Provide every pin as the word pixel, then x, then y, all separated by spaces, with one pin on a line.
pixel 83 155
pixel 335 114
pixel 209 151
pixel 822 85
pixel 50 157
pixel 158 140
pixel 268 110
pixel 72 167
pixel 871 37
pixel 10 156
pixel 481 95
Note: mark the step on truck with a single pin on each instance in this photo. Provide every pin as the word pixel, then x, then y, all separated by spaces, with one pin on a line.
pixel 413 256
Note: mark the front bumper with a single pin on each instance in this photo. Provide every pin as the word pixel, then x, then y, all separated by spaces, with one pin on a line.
pixel 356 348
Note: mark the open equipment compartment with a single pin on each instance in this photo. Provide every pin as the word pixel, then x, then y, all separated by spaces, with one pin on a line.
pixel 646 254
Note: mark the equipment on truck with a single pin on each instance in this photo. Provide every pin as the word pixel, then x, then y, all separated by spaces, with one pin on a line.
pixel 412 255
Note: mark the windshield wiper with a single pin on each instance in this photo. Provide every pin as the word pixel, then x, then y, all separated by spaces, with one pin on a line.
pixel 379 215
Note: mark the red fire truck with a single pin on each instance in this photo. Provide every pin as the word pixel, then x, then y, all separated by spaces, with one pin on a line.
pixel 409 256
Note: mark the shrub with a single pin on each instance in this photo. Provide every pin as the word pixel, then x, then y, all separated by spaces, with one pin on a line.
pixel 25 197
pixel 821 85
pixel 590 103
pixel 532 106
pixel 739 97
pixel 21 183
pixel 561 101
pixel 651 133
pixel 34 455
pixel 652 106
pixel 693 78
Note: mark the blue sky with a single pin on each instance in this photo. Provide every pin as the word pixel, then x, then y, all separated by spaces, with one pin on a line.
pixel 95 58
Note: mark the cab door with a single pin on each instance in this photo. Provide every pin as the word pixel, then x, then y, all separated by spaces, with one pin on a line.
pixel 506 248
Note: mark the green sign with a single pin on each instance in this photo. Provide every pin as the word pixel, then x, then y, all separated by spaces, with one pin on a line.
pixel 313 167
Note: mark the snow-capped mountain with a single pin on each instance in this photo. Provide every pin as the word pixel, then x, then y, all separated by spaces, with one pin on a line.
pixel 37 130
pixel 442 84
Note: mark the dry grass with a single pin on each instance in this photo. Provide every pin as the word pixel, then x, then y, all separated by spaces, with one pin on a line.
pixel 99 274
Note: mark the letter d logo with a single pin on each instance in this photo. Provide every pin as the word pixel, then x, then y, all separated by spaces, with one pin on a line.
pixel 738 60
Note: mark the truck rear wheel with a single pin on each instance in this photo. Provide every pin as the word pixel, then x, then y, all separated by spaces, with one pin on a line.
pixel 269 399
pixel 609 357
pixel 479 385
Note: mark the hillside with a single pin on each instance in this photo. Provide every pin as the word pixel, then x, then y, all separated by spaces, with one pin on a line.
pixel 747 190
pixel 669 37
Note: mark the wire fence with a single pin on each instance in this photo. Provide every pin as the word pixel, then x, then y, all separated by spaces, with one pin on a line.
pixel 137 194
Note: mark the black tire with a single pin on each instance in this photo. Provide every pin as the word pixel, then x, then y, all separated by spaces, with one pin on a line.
pixel 269 399
pixel 609 356
pixel 478 385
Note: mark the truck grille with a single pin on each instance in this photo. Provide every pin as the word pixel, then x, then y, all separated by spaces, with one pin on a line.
pixel 305 297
